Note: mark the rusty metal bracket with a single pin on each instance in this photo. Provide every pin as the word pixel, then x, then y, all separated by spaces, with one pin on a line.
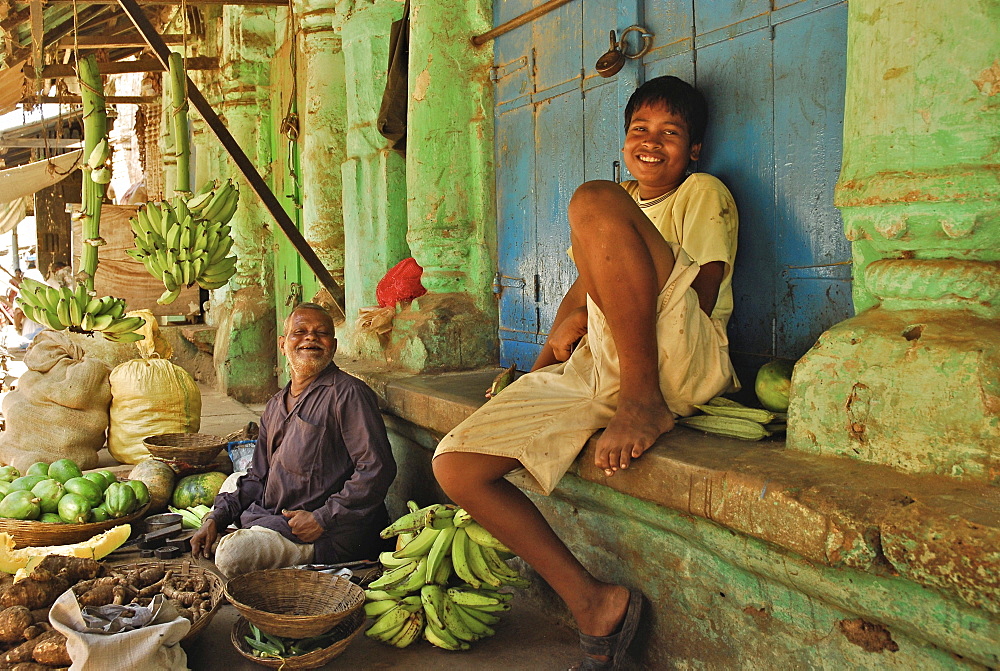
pixel 246 168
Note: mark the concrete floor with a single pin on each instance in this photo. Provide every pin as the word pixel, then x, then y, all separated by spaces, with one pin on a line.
pixel 526 638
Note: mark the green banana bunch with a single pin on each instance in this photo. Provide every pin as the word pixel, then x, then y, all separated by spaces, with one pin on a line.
pixel 725 417
pixel 187 240
pixel 442 581
pixel 78 311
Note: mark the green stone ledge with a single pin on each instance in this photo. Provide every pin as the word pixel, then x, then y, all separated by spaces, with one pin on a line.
pixel 918 553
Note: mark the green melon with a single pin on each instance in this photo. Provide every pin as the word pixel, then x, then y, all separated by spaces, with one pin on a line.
pixel 64 469
pixel 9 473
pixel 200 488
pixel 773 384
pixel 20 505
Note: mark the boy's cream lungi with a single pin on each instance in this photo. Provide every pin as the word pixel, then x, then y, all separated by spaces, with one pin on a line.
pixel 545 418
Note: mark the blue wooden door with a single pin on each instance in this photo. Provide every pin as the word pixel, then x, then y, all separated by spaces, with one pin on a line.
pixel 774 77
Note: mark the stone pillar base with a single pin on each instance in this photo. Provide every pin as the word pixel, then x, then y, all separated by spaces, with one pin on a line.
pixel 442 332
pixel 918 390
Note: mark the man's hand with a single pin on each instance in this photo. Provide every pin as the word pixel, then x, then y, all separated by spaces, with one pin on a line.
pixel 567 334
pixel 303 524
pixel 204 539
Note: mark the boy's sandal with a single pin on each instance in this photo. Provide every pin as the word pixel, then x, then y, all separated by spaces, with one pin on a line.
pixel 612 646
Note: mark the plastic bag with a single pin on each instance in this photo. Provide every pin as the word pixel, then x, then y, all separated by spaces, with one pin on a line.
pixel 401 283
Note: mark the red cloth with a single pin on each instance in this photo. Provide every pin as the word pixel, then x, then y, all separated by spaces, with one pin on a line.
pixel 401 283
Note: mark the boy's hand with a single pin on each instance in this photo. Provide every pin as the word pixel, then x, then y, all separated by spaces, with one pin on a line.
pixel 564 338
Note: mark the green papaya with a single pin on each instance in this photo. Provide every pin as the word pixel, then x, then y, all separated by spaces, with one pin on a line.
pixel 51 518
pixel 86 489
pixel 49 492
pixel 141 491
pixel 38 468
pixel 119 500
pixel 64 469
pixel 9 473
pixel 97 479
pixel 26 482
pixel 99 514
pixel 20 505
pixel 74 508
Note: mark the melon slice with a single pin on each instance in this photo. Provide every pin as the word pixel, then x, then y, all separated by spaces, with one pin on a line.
pixel 97 547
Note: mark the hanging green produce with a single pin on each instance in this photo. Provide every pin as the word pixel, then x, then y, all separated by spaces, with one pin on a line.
pixel 186 240
pixel 79 309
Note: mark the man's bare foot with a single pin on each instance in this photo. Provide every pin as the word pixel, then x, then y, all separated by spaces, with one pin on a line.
pixel 632 430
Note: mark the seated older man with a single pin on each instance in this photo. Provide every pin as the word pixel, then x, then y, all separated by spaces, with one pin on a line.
pixel 315 490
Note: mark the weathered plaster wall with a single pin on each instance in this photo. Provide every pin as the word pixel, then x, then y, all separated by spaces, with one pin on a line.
pixel 374 177
pixel 450 192
pixel 914 379
pixel 243 312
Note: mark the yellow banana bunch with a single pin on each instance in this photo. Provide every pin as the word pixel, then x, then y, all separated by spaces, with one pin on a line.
pixel 77 311
pixel 443 581
pixel 187 240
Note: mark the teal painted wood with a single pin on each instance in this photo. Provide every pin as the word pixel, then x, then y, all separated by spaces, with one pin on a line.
pixel 775 84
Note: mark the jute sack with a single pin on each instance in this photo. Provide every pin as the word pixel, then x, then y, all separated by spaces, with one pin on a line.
pixel 150 397
pixel 59 408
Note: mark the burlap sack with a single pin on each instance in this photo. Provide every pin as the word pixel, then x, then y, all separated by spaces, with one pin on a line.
pixel 155 647
pixel 150 397
pixel 59 408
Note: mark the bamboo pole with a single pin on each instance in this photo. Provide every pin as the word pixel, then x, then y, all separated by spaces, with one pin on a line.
pixel 179 108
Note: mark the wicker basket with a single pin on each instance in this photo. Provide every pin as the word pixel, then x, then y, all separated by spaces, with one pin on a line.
pixel 184 569
pixel 344 633
pixel 192 448
pixel 30 533
pixel 294 602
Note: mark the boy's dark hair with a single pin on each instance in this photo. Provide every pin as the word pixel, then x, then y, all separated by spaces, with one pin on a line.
pixel 677 96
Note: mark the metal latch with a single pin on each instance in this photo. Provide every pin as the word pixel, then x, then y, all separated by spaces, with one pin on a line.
pixel 500 282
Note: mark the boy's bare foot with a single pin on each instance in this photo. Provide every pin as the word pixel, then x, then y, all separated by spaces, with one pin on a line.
pixel 633 429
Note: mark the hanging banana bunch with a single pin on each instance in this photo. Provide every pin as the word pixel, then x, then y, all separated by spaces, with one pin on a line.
pixel 183 243
pixel 186 240
pixel 79 309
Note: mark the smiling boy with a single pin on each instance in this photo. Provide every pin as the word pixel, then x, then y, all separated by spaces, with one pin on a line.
pixel 639 337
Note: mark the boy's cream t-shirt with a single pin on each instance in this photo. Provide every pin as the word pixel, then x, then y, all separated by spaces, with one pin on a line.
pixel 700 216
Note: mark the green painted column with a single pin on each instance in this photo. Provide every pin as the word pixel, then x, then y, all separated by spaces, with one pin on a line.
pixel 245 354
pixel 322 129
pixel 913 380
pixel 450 191
pixel 374 176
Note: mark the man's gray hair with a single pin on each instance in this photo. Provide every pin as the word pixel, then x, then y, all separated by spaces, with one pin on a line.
pixel 306 306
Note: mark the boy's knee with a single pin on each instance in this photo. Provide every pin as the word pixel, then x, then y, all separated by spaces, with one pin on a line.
pixel 595 197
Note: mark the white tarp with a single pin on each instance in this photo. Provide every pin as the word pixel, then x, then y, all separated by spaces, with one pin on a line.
pixel 25 180
pixel 11 214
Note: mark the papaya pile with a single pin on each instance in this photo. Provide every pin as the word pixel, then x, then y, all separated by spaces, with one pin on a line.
pixel 59 493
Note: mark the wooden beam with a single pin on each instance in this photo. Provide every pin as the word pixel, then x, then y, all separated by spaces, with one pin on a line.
pixel 243 164
pixel 144 64
pixel 98 42
pixel 111 100
pixel 177 3
pixel 38 142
